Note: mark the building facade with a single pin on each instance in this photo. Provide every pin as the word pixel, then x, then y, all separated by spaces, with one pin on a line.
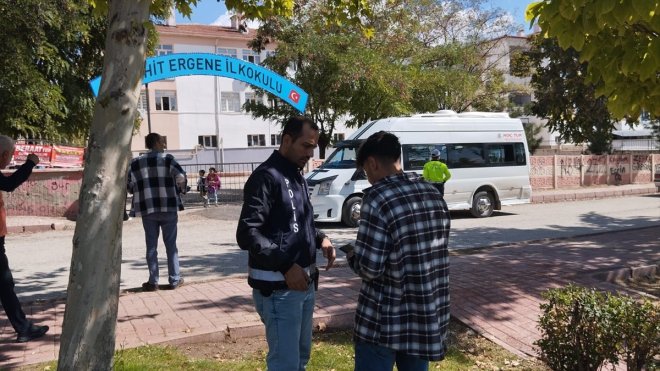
pixel 202 116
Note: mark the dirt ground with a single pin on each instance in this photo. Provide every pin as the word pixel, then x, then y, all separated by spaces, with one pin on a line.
pixel 485 354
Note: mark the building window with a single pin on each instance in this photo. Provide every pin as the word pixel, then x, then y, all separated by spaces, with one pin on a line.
pixel 142 101
pixel 251 56
pixel 164 49
pixel 256 140
pixel 275 139
pixel 230 101
pixel 209 141
pixel 520 99
pixel 162 136
pixel 227 52
pixel 165 100
pixel 273 102
pixel 251 97
pixel 337 137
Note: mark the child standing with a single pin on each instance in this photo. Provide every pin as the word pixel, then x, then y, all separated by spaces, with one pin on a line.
pixel 213 185
pixel 201 187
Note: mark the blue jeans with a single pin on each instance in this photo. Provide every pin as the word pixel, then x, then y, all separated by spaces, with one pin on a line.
pixel 287 315
pixel 213 195
pixel 373 357
pixel 152 224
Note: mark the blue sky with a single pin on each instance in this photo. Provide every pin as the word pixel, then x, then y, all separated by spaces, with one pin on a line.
pixel 208 11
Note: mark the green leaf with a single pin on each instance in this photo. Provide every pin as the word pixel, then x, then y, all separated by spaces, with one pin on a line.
pixel 644 10
pixel 567 10
pixel 604 6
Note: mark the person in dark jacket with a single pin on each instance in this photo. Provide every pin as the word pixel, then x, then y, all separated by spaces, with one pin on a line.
pixel 25 330
pixel 276 227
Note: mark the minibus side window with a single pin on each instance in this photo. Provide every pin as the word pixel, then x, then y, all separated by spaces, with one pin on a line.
pixel 521 158
pixel 505 154
pixel 416 155
pixel 465 155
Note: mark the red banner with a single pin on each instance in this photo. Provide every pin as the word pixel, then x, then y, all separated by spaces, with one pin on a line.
pixel 21 151
pixel 63 156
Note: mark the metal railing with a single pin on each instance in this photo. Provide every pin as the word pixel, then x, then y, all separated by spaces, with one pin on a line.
pixel 232 180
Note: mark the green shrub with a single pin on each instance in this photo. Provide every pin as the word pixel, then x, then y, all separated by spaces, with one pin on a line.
pixel 638 328
pixel 572 336
pixel 582 328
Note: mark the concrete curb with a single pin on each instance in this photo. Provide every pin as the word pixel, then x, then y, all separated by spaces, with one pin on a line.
pixel 321 323
pixel 585 194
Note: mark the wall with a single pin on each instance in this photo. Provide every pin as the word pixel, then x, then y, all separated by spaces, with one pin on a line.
pixel 55 192
pixel 561 171
pixel 46 193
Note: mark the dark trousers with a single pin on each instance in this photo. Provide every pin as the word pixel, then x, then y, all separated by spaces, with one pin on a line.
pixel 441 188
pixel 8 297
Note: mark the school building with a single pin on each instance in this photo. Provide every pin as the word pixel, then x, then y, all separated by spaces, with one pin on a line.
pixel 202 116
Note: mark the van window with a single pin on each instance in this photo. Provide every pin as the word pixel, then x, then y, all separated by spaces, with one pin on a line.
pixel 505 154
pixel 465 155
pixel 342 158
pixel 416 155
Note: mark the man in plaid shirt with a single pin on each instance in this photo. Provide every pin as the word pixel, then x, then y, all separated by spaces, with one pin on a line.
pixel 155 180
pixel 402 315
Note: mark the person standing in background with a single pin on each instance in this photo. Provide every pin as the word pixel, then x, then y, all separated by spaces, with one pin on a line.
pixel 155 179
pixel 25 329
pixel 436 172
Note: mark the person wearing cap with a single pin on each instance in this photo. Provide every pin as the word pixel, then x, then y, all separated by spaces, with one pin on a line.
pixel 436 172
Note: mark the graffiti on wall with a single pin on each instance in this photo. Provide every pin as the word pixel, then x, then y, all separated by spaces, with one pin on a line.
pixel 45 193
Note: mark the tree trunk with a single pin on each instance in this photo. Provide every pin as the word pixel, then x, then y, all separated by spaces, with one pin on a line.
pixel 88 333
pixel 324 141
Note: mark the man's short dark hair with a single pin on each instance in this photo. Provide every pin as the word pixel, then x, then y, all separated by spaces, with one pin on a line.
pixel 151 139
pixel 294 125
pixel 382 145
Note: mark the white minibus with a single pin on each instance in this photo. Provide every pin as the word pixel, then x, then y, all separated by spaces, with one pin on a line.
pixel 486 153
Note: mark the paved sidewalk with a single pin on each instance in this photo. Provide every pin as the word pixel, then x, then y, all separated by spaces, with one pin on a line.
pixel 496 291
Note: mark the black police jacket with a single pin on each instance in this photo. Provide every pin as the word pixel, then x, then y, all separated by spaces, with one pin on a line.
pixel 276 224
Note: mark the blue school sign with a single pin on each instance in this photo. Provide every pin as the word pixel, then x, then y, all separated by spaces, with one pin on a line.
pixel 174 65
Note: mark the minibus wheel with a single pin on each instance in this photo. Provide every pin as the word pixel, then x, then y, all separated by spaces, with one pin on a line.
pixel 483 204
pixel 351 213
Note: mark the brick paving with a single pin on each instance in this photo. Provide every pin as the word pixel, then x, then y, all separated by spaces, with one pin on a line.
pixel 496 291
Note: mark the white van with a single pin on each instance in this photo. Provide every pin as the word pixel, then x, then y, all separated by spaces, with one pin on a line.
pixel 486 153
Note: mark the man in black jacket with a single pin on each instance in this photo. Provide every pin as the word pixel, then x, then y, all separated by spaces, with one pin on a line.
pixel 276 226
pixel 25 329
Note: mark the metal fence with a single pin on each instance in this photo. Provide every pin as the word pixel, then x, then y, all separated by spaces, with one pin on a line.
pixel 232 180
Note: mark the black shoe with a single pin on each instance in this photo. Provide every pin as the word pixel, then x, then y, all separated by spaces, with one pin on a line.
pixel 176 284
pixel 32 333
pixel 148 286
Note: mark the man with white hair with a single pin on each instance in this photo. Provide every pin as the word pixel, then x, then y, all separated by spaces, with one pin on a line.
pixel 25 329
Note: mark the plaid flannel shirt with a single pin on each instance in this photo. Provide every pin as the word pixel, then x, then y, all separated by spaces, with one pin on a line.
pixel 401 255
pixel 152 180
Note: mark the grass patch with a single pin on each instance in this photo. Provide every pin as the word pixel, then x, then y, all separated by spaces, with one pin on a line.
pixel 330 351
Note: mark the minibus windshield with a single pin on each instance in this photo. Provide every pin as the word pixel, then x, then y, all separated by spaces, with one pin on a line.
pixel 343 157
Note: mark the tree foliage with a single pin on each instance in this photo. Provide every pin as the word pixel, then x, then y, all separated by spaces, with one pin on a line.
pixel 50 51
pixel 420 56
pixel 620 41
pixel 565 98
